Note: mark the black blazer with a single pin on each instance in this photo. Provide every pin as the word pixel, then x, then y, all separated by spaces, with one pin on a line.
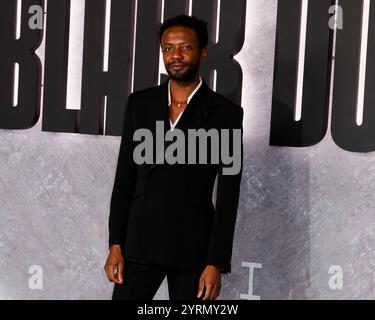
pixel 164 213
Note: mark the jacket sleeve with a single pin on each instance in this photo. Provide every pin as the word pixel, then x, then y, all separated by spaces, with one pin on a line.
pixel 227 198
pixel 125 178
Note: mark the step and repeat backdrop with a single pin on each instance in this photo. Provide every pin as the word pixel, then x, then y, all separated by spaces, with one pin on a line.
pixel 302 70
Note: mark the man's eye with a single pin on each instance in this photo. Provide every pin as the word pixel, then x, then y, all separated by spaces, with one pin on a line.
pixel 167 49
pixel 187 47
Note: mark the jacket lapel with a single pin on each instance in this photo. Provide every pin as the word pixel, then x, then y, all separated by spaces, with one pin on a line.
pixel 198 111
pixel 195 115
pixel 160 108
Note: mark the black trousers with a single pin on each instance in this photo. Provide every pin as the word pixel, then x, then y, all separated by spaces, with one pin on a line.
pixel 142 280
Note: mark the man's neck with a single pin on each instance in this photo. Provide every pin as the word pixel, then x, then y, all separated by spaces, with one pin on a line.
pixel 181 89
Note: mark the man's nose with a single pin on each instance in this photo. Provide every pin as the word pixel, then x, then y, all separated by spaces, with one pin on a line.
pixel 177 54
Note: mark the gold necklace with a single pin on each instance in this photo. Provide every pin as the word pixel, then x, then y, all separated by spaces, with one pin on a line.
pixel 179 103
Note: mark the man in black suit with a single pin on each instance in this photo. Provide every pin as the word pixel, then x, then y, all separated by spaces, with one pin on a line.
pixel 162 218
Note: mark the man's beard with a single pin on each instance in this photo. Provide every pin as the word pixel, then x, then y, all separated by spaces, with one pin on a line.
pixel 187 76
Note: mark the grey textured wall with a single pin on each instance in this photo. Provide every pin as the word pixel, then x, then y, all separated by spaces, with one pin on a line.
pixel 302 210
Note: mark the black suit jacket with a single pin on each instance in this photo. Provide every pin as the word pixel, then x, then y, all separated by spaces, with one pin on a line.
pixel 164 213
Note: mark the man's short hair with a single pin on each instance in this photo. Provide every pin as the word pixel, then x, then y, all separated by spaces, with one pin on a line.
pixel 199 26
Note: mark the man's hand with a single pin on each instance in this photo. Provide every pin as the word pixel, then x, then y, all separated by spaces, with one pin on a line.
pixel 114 267
pixel 211 280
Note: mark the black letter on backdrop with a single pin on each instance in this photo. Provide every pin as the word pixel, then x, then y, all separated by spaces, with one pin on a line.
pixel 345 131
pixel 22 51
pixel 116 83
pixel 95 83
pixel 146 69
pixel 231 39
pixel 312 127
pixel 55 115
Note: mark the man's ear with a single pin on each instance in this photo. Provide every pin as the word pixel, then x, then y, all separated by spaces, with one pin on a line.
pixel 204 54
